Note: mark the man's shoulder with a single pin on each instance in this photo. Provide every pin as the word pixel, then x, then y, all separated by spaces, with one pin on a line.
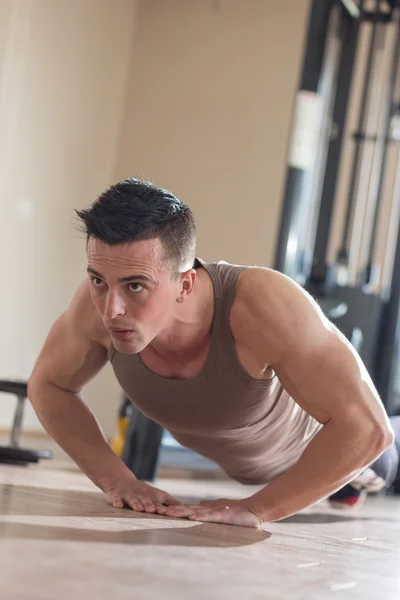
pixel 254 281
pixel 85 316
pixel 271 308
pixel 266 296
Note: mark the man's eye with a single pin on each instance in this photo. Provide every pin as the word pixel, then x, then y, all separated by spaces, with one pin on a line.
pixel 136 287
pixel 96 282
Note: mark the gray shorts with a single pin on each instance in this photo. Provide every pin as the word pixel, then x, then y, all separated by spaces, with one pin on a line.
pixel 387 465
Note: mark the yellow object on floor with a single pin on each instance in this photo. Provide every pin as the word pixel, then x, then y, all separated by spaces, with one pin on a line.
pixel 118 442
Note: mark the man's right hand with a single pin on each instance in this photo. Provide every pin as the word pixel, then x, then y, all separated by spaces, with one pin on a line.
pixel 129 492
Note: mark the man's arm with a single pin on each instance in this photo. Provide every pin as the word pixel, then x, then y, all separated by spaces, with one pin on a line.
pixel 74 352
pixel 69 359
pixel 279 325
pixel 319 368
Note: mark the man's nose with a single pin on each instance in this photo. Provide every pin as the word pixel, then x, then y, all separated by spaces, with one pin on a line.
pixel 115 305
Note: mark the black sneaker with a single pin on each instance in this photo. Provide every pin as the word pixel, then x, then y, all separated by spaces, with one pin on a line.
pixel 347 497
pixel 354 493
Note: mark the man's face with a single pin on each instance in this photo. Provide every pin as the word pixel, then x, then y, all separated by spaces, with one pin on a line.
pixel 133 290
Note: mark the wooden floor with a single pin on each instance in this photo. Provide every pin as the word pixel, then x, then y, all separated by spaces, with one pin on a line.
pixel 59 539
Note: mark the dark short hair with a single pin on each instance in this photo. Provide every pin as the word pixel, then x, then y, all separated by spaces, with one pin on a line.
pixel 135 210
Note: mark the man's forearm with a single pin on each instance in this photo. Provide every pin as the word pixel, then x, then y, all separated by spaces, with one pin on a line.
pixel 73 426
pixel 332 459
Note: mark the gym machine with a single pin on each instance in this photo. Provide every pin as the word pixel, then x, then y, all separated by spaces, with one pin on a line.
pixel 358 289
pixel 13 453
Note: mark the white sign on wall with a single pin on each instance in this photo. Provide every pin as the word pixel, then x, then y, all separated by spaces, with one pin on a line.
pixel 307 121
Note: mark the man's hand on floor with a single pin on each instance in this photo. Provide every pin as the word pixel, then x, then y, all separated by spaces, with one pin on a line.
pixel 129 492
pixel 230 512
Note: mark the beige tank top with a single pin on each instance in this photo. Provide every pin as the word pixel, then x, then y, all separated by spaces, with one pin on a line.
pixel 251 428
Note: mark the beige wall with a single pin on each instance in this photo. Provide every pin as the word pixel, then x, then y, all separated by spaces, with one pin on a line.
pixel 195 95
pixel 63 80
pixel 208 115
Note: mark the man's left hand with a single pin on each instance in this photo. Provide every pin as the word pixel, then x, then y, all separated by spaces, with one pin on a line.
pixel 229 512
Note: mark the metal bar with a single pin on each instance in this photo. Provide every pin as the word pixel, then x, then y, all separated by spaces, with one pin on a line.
pixel 394 73
pixel 328 87
pixel 343 252
pixel 287 260
pixel 17 424
pixel 388 272
pixel 350 35
pixel 389 340
pixel 380 18
pixel 287 257
pixel 369 170
pixel 314 54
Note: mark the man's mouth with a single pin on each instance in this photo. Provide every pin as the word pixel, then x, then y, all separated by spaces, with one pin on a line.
pixel 122 333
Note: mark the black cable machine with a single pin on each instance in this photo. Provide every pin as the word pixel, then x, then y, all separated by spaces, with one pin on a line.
pixel 359 289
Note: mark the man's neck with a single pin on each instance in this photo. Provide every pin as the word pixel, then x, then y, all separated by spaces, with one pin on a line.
pixel 191 326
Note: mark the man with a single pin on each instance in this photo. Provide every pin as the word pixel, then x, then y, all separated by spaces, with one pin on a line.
pixel 238 363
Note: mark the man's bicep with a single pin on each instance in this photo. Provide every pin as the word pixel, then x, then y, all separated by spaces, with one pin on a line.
pixel 69 358
pixel 324 374
pixel 327 378
pixel 314 362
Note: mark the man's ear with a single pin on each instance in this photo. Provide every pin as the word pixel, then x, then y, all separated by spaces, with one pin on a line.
pixel 187 280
